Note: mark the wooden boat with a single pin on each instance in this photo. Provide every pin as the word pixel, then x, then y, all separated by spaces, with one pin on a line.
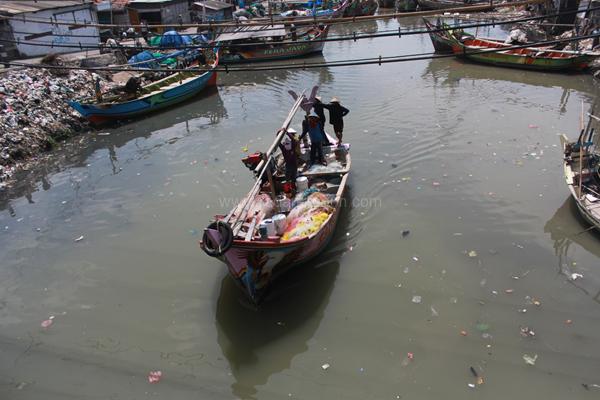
pixel 443 36
pixel 442 40
pixel 581 165
pixel 254 260
pixel 157 95
pixel 488 51
pixel 270 42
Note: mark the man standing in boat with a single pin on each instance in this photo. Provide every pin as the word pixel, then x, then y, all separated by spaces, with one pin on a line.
pixel 319 108
pixel 337 112
pixel 315 132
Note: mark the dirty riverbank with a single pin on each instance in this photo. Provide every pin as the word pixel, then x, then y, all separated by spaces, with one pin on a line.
pixel 34 114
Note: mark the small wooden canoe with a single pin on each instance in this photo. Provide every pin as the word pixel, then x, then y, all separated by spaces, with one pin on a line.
pixel 254 260
pixel 490 52
pixel 270 42
pixel 581 165
pixel 163 93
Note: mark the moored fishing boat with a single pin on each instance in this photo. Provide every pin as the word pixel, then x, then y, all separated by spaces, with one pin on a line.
pixel 441 36
pixel 157 95
pixel 270 42
pixel 274 229
pixel 488 51
pixel 581 164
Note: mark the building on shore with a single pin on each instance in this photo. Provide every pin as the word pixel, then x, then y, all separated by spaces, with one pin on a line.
pixel 27 30
pixel 160 12
pixel 113 12
pixel 213 10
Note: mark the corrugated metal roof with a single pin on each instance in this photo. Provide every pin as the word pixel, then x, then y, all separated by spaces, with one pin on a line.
pixel 151 1
pixel 214 4
pixel 252 32
pixel 13 7
pixel 105 5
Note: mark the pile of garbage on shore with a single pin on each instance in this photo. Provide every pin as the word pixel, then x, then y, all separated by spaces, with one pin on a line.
pixel 35 114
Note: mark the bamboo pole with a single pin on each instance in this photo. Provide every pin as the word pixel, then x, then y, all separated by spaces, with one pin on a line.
pixel 581 152
pixel 236 225
pixel 282 131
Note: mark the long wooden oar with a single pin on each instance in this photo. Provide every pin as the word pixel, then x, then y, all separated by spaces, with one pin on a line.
pixel 281 132
pixel 581 152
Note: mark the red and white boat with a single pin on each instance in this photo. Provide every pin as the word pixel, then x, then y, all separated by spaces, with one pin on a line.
pixel 301 224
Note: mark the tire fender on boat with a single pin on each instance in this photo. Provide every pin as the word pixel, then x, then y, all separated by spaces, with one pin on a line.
pixel 224 244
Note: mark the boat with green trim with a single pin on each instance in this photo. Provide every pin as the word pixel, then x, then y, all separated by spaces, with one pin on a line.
pixel 270 42
pixel 441 35
pixel 173 89
pixel 508 55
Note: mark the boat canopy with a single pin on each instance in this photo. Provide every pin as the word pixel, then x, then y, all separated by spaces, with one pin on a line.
pixel 252 31
pixel 170 39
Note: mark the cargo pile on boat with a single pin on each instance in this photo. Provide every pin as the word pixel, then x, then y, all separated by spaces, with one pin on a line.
pixel 308 215
pixel 34 112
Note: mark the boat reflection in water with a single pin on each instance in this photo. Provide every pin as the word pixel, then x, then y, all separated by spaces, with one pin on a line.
pixel 261 342
pixel 451 71
pixel 569 230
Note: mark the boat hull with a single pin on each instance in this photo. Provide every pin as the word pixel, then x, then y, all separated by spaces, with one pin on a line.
pixel 523 58
pixel 569 174
pixel 439 39
pixel 254 265
pixel 526 62
pixel 103 113
pixel 259 53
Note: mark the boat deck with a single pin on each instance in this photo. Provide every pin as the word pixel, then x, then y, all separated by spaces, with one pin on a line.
pixel 482 44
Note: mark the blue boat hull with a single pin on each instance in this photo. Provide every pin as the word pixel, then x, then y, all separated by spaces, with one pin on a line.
pixel 101 113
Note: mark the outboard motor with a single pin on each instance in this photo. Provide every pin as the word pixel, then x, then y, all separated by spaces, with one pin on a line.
pixel 252 160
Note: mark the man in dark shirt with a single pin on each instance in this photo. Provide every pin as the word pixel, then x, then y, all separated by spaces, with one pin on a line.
pixel 337 112
pixel 319 109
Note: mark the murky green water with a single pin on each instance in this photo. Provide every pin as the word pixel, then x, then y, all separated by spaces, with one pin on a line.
pixel 466 157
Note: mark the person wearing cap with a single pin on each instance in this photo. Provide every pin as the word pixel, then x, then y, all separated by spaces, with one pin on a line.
pixel 337 112
pixel 315 132
pixel 288 149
